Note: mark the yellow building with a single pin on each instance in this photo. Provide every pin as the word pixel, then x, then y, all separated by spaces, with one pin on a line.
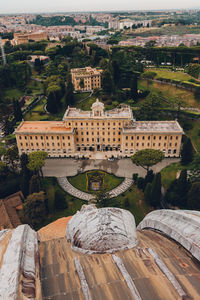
pixel 23 38
pixel 90 78
pixel 84 133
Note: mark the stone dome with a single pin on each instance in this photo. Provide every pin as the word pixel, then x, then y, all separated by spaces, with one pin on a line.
pixel 93 230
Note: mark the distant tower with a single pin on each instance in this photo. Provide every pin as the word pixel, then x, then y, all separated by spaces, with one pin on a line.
pixel 2 52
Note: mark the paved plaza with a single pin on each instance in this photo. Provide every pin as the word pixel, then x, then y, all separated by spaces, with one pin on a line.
pixel 122 167
pixel 70 189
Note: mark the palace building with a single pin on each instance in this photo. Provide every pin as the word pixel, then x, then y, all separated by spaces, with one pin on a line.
pixel 90 78
pixel 113 132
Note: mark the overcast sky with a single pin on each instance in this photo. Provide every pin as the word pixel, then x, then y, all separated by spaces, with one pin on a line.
pixel 17 6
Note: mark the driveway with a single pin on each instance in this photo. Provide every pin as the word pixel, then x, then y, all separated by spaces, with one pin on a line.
pixel 60 167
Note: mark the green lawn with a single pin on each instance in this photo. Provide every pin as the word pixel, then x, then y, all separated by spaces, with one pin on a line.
pixel 74 204
pixel 80 181
pixel 38 113
pixel 169 92
pixel 168 174
pixel 132 200
pixel 135 203
pixel 168 74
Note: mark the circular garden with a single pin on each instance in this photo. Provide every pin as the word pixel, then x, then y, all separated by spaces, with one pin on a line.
pixel 93 181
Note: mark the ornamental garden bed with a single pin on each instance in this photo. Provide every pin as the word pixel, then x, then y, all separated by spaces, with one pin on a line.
pixel 93 181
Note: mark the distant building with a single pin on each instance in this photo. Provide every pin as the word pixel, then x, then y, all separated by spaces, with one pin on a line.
pixel 90 77
pixel 113 132
pixel 23 38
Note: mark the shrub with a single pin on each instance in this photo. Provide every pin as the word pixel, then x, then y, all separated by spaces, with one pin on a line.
pixel 60 200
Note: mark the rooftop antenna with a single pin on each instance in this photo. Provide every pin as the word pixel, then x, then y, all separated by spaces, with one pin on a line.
pixel 2 52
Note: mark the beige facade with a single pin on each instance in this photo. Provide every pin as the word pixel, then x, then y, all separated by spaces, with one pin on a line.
pixel 90 77
pixel 113 132
pixel 23 38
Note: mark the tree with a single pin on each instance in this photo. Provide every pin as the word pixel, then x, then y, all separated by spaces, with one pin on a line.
pixel 54 94
pixel 147 158
pixel 34 185
pixel 156 190
pixel 183 187
pixel 147 193
pixel 177 193
pixel 102 198
pixel 11 158
pixel 17 111
pixel 134 87
pixel 36 162
pixel 34 209
pixel 38 65
pixel 69 96
pixel 194 196
pixel 60 200
pixel 186 152
pixel 25 175
pixel 194 173
pixel 107 82
pixel 149 177
pixel 150 109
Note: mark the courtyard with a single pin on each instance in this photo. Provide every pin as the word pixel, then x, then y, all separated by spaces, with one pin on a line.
pixel 65 167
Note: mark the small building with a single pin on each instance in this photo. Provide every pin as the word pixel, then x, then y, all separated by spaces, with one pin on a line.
pixel 23 38
pixel 86 79
pixel 113 132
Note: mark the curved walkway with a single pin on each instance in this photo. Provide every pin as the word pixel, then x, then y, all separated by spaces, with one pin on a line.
pixel 70 189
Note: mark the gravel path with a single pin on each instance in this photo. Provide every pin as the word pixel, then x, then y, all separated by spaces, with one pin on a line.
pixel 70 189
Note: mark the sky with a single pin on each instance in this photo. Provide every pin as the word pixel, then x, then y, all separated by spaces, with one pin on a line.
pixel 37 6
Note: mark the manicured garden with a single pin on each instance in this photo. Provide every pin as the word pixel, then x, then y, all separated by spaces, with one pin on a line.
pixel 168 174
pixel 168 74
pixel 84 181
pixel 170 92
pixel 132 200
pixel 72 204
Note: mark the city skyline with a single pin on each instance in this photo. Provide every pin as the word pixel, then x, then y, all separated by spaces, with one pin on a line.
pixel 22 6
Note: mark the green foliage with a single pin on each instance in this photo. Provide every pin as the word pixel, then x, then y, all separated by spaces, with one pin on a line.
pixel 36 161
pixel 60 200
pixel 177 193
pixel 147 158
pixel 25 174
pixel 107 82
pixel 34 209
pixel 38 65
pixel 149 74
pixel 34 185
pixel 194 70
pixel 150 109
pixel 54 95
pixel 186 152
pixel 17 111
pixel 156 190
pixel 194 196
pixel 147 193
pixel 102 198
pixel 69 95
pixel 134 87
pixel 11 157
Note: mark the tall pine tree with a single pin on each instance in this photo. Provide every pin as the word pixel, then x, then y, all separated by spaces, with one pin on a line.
pixel 156 190
pixel 187 152
pixel 17 111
